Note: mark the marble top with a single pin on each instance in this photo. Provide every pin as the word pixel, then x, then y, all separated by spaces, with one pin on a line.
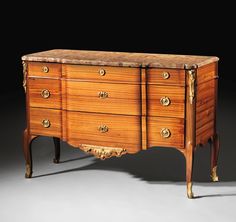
pixel 102 58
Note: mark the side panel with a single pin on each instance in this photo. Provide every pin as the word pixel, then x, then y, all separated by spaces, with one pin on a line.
pixel 207 84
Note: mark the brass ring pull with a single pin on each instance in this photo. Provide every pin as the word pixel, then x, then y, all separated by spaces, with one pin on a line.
pixel 165 101
pixel 103 129
pixel 102 95
pixel 45 93
pixel 165 133
pixel 45 69
pixel 46 123
pixel 165 75
pixel 102 72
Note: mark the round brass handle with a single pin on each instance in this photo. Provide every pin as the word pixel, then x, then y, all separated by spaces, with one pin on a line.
pixel 102 72
pixel 165 133
pixel 45 69
pixel 103 128
pixel 102 95
pixel 45 93
pixel 46 123
pixel 165 75
pixel 165 101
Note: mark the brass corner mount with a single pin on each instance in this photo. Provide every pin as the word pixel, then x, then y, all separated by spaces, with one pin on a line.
pixel 24 74
pixel 192 79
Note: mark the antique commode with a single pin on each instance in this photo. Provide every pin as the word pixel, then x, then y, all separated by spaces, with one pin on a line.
pixel 111 103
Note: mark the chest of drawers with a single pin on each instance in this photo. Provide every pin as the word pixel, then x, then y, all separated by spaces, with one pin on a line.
pixel 110 104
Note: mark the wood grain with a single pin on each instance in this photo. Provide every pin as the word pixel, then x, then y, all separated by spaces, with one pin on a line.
pixel 84 96
pixel 177 76
pixel 205 92
pixel 205 133
pixel 36 69
pixel 176 96
pixel 205 108
pixel 176 127
pixel 64 106
pixel 144 108
pixel 208 127
pixel 35 88
pixel 206 73
pixel 37 115
pixel 205 104
pixel 204 117
pixel 123 131
pixel 117 74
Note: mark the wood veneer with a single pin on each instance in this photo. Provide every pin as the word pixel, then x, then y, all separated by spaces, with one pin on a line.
pixel 111 104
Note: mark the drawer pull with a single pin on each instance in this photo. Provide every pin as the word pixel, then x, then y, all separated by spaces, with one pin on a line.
pixel 103 129
pixel 165 133
pixel 165 101
pixel 46 123
pixel 45 93
pixel 45 69
pixel 165 75
pixel 102 72
pixel 102 95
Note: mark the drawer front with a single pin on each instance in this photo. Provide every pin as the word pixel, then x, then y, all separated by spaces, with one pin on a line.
pixel 166 76
pixel 44 69
pixel 167 132
pixel 102 97
pixel 166 101
pixel 102 74
pixel 46 122
pixel 44 93
pixel 104 130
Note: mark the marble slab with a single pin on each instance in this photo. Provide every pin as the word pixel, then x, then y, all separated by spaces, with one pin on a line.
pixel 123 59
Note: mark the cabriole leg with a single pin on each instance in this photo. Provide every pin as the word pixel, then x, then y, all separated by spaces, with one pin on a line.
pixel 27 153
pixel 57 149
pixel 189 170
pixel 215 147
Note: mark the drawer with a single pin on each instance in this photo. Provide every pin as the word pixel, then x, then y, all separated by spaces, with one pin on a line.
pixel 166 76
pixel 102 74
pixel 102 97
pixel 167 101
pixel 104 130
pixel 167 132
pixel 44 93
pixel 44 69
pixel 46 122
